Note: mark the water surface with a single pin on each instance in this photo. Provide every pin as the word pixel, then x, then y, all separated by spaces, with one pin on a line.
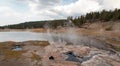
pixel 21 36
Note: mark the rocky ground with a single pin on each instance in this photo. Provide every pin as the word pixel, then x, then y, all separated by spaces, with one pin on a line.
pixel 42 53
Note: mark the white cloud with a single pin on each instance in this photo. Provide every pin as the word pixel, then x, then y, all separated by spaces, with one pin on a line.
pixel 79 7
pixel 109 4
pixel 7 15
pixel 10 16
pixel 39 5
pixel 7 12
pixel 44 9
pixel 52 9
pixel 49 8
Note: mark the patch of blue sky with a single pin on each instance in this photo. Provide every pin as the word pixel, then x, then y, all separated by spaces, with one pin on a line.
pixel 14 4
pixel 66 2
pixel 20 6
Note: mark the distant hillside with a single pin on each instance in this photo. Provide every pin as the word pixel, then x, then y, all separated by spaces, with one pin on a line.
pixel 36 24
pixel 103 16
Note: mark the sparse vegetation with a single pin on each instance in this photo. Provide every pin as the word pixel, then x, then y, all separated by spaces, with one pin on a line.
pixel 35 57
pixel 112 41
pixel 109 28
pixel 117 48
pixel 103 16
pixel 40 43
pixel 6 45
pixel 9 54
pixel 115 43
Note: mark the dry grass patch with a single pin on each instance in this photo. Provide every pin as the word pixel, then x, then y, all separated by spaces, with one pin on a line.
pixel 115 43
pixel 7 51
pixel 6 45
pixel 40 43
pixel 38 30
pixel 89 32
pixel 117 48
pixel 111 41
pixel 35 57
pixel 9 54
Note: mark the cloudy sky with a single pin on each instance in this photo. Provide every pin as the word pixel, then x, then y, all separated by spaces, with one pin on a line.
pixel 17 11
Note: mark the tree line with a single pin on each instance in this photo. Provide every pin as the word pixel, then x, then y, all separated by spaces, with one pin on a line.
pixel 36 24
pixel 102 16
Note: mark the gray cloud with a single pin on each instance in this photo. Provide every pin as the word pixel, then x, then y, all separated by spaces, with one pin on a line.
pixel 43 4
pixel 54 8
pixel 109 4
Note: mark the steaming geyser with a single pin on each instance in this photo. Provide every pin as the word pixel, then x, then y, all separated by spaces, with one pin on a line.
pixel 74 47
pixel 71 37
